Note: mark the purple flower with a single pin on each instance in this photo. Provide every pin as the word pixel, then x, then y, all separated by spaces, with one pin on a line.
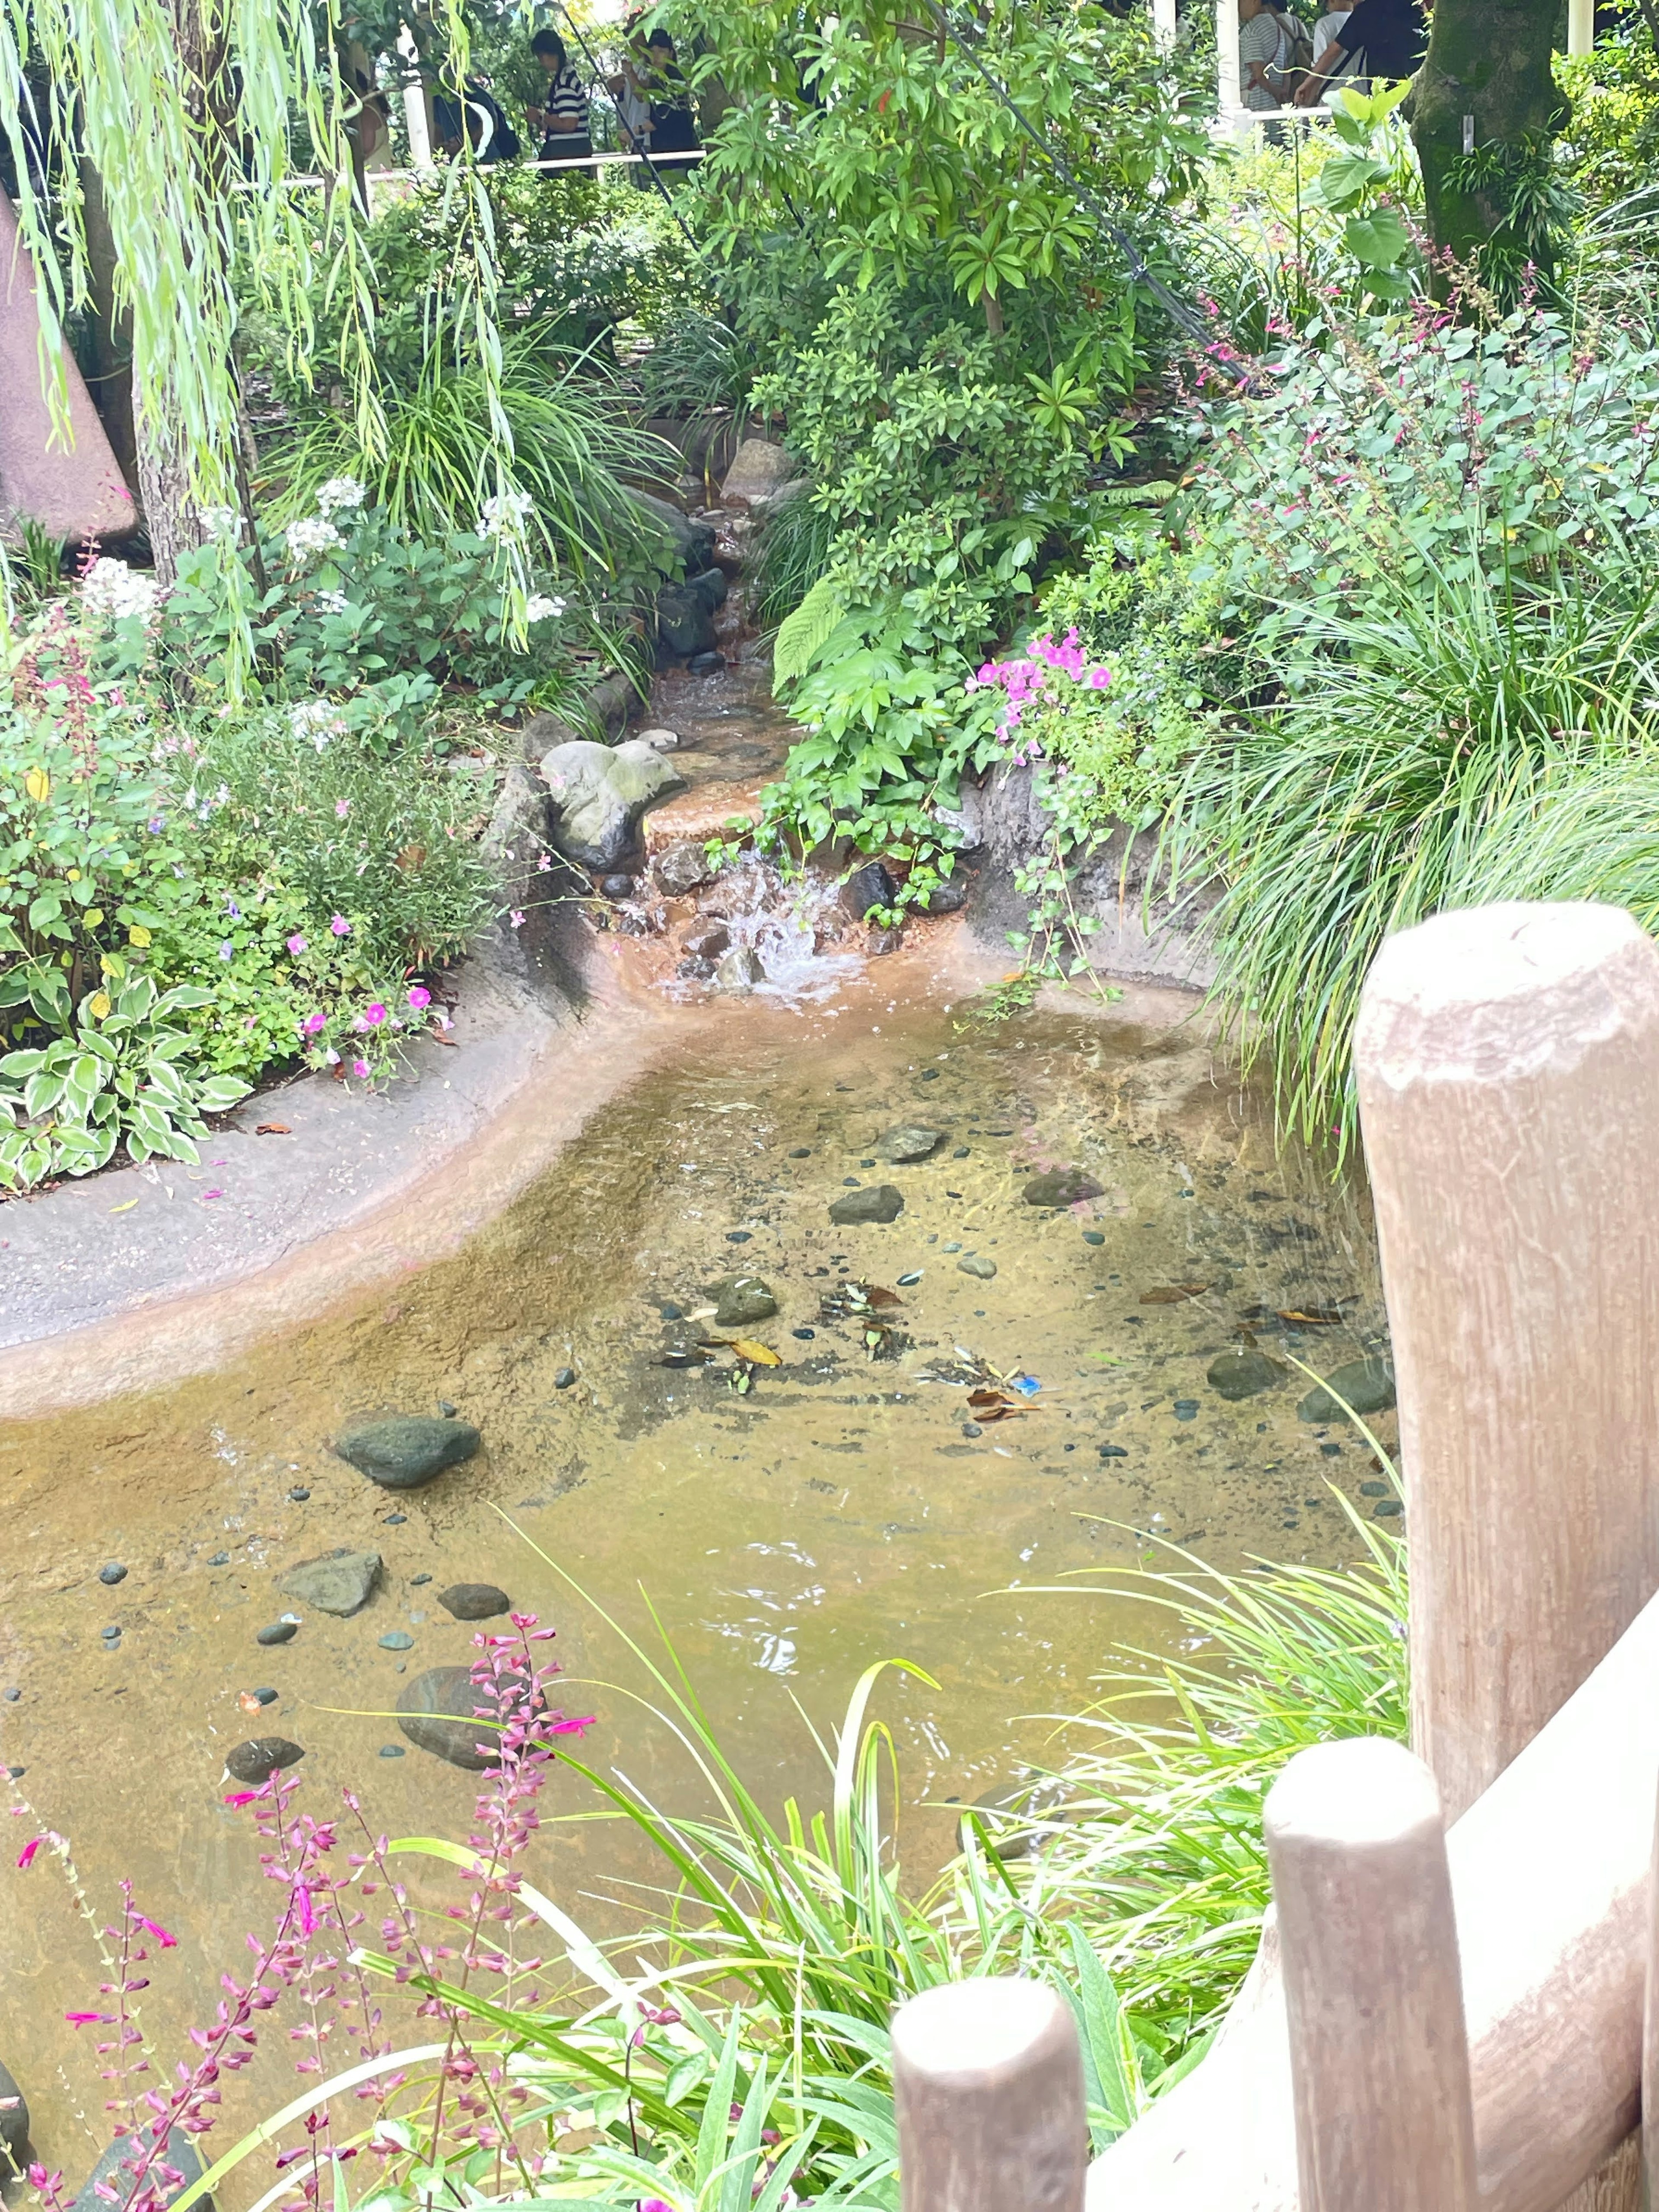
pixel 231 907
pixel 338 924
pixel 297 943
pixel 342 808
pixel 157 822
pixel 312 1024
pixel 419 997
pixel 374 1015
pixel 226 951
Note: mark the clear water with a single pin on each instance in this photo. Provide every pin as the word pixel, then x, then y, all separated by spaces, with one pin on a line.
pixel 841 1511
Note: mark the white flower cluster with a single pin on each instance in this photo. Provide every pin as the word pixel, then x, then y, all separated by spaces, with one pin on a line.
pixel 222 522
pixel 112 591
pixel 331 602
pixel 338 494
pixel 312 533
pixel 538 608
pixel 504 514
pixel 316 719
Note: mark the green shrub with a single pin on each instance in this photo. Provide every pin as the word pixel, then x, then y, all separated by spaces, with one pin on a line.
pixel 1612 140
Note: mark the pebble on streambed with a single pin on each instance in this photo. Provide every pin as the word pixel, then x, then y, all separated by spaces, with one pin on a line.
pixel 406 1449
pixel 261 1757
pixel 114 1573
pixel 876 1203
pixel 474 1600
pixel 437 1713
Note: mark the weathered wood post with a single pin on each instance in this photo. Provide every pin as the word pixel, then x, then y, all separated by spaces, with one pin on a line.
pixel 1379 2055
pixel 987 2082
pixel 1507 1067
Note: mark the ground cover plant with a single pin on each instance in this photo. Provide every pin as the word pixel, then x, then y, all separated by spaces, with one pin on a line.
pixel 733 2046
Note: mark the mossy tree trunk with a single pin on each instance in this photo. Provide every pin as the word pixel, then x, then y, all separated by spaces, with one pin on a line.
pixel 1488 61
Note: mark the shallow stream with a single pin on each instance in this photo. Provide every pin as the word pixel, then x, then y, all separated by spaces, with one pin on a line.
pixel 845 1506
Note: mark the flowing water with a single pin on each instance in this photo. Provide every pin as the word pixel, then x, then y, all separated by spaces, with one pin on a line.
pixel 846 1506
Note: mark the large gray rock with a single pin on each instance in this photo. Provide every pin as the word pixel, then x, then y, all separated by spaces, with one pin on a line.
pixel 406 1449
pixel 118 2171
pixel 680 868
pixel 691 543
pixel 438 1713
pixel 1244 1372
pixel 14 2125
pixel 757 474
pixel 1365 1386
pixel 879 1201
pixel 600 793
pixel 340 1582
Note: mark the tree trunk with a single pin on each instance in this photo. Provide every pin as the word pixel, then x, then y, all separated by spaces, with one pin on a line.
pixel 1487 85
pixel 110 329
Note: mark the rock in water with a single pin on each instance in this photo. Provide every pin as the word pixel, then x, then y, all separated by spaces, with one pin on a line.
pixel 14 2124
pixel 707 944
pixel 114 1573
pixel 1242 1373
pixel 868 886
pixel 474 1600
pixel 909 1142
pixel 280 1631
pixel 661 738
pixel 1366 1385
pixel 693 542
pixel 759 470
pixel 739 970
pixel 438 1713
pixel 406 1449
pixel 1060 1187
pixel 706 664
pixel 339 1582
pixel 741 1300
pixel 600 793
pixel 948 897
pixel 680 868
pixel 618 886
pixel 880 1201
pixel 710 587
pixel 976 1263
pixel 261 1757
pixel 116 2171
pixel 685 622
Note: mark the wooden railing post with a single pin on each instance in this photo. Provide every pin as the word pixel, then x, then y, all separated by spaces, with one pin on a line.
pixel 1507 1060
pixel 987 2082
pixel 1379 2056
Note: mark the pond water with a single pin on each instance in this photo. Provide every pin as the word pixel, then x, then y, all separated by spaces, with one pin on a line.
pixel 846 1507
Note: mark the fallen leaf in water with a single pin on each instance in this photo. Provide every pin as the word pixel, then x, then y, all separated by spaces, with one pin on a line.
pixel 875 1296
pixel 993 1404
pixel 127 1208
pixel 1311 1316
pixel 1173 1294
pixel 250 1704
pixel 273 1129
pixel 762 1355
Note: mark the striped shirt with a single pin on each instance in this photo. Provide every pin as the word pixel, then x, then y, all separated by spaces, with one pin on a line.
pixel 567 101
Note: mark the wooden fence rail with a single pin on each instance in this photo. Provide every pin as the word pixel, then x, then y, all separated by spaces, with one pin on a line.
pixel 1446 2019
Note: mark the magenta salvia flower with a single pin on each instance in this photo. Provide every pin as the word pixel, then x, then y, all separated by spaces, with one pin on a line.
pixel 167 1942
pixel 339 924
pixel 86 2019
pixel 26 1856
pixel 297 943
pixel 419 997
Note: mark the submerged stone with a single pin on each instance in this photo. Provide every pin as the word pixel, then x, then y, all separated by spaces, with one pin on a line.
pixel 875 1202
pixel 1366 1386
pixel 474 1600
pixel 280 1631
pixel 406 1449
pixel 437 1713
pixel 1242 1374
pixel 261 1757
pixel 909 1141
pixel 739 970
pixel 1058 1187
pixel 340 1582
pixel 977 1264
pixel 741 1299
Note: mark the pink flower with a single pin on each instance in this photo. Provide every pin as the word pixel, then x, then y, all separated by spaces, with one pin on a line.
pixel 342 808
pixel 26 1856
pixel 88 2019
pixel 339 925
pixel 167 1942
pixel 241 1797
pixel 516 918
pixel 419 997
pixel 304 1909
pixel 312 1024
pixel 297 943
pixel 360 1069
pixel 374 1015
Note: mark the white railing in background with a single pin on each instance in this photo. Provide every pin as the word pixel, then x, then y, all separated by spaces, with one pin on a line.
pixel 1441 2019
